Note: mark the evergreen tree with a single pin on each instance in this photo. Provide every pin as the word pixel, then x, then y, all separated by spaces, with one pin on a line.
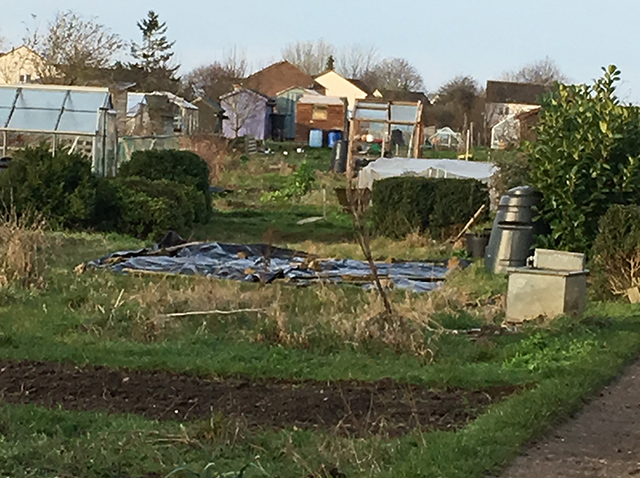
pixel 331 63
pixel 153 56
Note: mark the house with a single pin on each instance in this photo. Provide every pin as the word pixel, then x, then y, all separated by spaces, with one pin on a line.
pixel 286 103
pixel 505 98
pixel 21 65
pixel 314 111
pixel 81 119
pixel 248 112
pixel 277 78
pixel 160 114
pixel 338 86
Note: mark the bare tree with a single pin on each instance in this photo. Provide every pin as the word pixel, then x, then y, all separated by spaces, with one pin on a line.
pixel 216 79
pixel 73 47
pixel 311 57
pixel 242 108
pixel 395 74
pixel 541 72
pixel 356 61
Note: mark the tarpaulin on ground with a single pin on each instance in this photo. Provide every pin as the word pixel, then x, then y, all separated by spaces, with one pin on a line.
pixel 262 263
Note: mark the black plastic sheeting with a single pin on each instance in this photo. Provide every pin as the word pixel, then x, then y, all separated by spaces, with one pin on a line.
pixel 262 263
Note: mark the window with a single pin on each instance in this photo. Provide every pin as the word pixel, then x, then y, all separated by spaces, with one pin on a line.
pixel 320 112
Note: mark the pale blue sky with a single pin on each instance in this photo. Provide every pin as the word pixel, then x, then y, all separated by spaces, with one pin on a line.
pixel 482 38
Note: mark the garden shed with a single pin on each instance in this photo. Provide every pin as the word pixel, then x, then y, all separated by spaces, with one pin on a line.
pixel 78 118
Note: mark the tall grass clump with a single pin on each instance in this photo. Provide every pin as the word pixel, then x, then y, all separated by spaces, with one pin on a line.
pixel 22 249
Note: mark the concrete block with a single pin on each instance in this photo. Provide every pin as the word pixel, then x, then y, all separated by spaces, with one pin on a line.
pixel 535 293
pixel 558 260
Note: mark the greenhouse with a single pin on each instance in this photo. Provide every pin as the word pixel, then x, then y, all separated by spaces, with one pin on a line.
pixel 79 119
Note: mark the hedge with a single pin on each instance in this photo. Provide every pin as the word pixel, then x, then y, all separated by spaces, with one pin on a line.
pixel 62 188
pixel 616 251
pixel 183 167
pixel 406 204
pixel 148 209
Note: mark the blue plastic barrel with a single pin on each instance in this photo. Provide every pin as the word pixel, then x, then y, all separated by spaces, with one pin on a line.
pixel 333 137
pixel 315 138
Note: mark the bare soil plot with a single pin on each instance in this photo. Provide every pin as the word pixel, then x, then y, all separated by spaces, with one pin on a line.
pixel 353 407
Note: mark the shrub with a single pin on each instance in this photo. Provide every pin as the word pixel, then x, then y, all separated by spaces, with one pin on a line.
pixel 586 158
pixel 182 167
pixel 616 251
pixel 402 205
pixel 298 184
pixel 513 170
pixel 61 187
pixel 148 209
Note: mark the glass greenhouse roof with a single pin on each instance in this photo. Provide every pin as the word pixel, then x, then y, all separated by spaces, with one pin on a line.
pixel 52 109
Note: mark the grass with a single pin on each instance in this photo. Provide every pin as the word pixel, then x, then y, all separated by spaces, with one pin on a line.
pixel 323 332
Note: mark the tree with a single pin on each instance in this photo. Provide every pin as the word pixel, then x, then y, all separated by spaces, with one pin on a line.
pixel 73 47
pixel 331 63
pixel 216 79
pixel 459 103
pixel 394 74
pixel 541 72
pixel 311 57
pixel 586 158
pixel 243 108
pixel 356 61
pixel 154 55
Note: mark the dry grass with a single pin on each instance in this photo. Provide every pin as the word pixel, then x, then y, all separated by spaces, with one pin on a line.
pixel 22 249
pixel 320 315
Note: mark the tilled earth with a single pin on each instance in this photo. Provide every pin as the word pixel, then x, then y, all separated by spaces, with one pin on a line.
pixel 350 406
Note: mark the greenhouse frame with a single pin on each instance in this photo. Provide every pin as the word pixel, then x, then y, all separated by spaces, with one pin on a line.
pixel 79 119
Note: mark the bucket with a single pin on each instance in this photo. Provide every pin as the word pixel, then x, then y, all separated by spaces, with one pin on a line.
pixel 477 243
pixel 333 137
pixel 315 138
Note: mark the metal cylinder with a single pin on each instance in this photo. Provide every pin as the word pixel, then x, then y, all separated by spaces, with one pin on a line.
pixel 514 230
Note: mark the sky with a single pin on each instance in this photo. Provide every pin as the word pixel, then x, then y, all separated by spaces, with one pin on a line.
pixel 441 39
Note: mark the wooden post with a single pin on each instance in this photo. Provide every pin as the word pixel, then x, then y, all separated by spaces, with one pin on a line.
pixel 353 124
pixel 4 144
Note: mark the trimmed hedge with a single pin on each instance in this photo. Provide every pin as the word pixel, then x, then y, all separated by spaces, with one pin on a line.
pixel 182 167
pixel 406 204
pixel 69 196
pixel 62 188
pixel 616 249
pixel 148 209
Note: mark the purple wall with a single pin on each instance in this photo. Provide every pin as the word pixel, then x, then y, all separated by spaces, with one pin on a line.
pixel 248 114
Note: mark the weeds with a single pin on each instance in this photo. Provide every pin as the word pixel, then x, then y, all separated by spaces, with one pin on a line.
pixel 22 249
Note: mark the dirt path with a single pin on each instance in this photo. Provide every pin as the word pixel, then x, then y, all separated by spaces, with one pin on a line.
pixel 602 441
pixel 354 407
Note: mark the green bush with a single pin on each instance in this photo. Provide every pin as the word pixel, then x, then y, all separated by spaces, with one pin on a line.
pixel 182 167
pixel 616 250
pixel 402 205
pixel 148 209
pixel 586 158
pixel 61 187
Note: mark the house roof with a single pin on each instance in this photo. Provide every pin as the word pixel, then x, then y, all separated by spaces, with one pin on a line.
pixel 278 77
pixel 404 95
pixel 360 84
pixel 518 93
pixel 136 100
pixel 320 100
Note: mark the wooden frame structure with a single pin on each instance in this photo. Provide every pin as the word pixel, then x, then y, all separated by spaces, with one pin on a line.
pixel 386 114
